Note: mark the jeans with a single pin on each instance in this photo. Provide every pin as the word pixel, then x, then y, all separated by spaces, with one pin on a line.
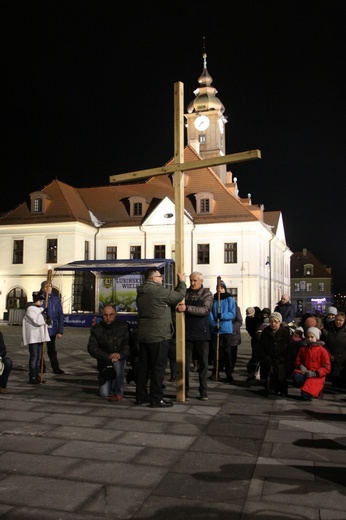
pixel 299 380
pixel 7 370
pixel 114 386
pixel 35 351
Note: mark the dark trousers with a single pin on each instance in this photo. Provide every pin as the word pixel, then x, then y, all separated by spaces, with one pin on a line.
pixel 52 354
pixel 152 360
pixel 201 348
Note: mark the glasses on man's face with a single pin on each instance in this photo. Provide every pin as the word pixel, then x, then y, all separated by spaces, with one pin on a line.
pixel 109 315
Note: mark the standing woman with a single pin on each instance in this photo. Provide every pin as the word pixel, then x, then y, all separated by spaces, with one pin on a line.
pixel 35 333
pixel 336 346
pixel 275 352
pixel 7 366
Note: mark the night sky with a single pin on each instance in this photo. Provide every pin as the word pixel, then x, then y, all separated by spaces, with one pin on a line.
pixel 88 92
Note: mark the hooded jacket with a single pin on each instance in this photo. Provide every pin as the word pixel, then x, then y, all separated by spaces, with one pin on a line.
pixel 154 303
pixel 228 312
pixel 314 357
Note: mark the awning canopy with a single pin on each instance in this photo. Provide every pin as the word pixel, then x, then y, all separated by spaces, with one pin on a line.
pixel 115 266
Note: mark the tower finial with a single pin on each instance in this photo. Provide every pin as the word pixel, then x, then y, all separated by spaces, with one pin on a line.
pixel 204 54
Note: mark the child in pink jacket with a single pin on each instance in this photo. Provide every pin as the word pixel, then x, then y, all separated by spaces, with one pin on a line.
pixel 311 366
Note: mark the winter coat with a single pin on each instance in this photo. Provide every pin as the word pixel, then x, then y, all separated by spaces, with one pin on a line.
pixel 275 350
pixel 252 322
pixel 154 302
pixel 336 346
pixel 198 306
pixel 314 357
pixel 3 350
pixel 106 339
pixel 286 310
pixel 237 323
pixel 227 314
pixel 56 314
pixel 34 329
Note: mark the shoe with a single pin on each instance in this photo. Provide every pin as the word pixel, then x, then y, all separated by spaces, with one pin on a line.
pixel 58 371
pixel 203 397
pixel 142 401
pixel 129 376
pixel 172 379
pixel 162 404
pixel 34 381
pixel 3 391
pixel 320 395
pixel 115 398
pixel 187 397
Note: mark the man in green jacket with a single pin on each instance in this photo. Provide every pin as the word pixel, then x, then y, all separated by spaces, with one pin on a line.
pixel 155 329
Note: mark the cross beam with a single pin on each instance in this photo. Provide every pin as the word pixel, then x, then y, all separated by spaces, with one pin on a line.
pixel 183 167
pixel 178 167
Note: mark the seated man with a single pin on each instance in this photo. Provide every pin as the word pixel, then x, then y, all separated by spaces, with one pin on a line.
pixel 109 344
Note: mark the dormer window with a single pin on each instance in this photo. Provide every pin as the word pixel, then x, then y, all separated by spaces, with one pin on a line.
pixel 308 270
pixel 205 202
pixel 137 206
pixel 39 202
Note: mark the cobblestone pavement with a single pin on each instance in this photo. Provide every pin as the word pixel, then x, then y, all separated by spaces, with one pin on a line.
pixel 67 454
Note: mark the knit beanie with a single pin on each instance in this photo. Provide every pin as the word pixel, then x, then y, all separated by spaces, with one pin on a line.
pixel 315 331
pixel 276 316
pixel 332 310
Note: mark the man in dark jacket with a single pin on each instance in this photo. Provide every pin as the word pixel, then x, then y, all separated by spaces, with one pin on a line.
pixel 286 309
pixel 197 306
pixel 155 329
pixel 109 344
pixel 56 329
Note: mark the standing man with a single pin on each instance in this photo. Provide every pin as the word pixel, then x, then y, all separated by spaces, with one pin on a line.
pixel 286 309
pixel 56 329
pixel 197 306
pixel 221 318
pixel 155 329
pixel 109 344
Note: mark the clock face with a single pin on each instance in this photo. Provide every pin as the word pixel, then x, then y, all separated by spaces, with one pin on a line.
pixel 201 123
pixel 221 125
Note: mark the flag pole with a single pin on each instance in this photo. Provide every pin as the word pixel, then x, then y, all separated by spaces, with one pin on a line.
pixel 44 343
pixel 218 317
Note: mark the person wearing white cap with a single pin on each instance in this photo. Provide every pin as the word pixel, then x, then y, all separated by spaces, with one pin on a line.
pixel 274 346
pixel 311 366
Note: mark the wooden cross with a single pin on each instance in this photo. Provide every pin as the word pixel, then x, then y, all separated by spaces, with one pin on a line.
pixel 178 168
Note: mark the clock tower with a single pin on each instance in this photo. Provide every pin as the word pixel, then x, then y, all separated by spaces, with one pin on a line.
pixel 206 122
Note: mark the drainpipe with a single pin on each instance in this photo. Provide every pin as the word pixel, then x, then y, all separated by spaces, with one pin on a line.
pixel 145 241
pixel 270 273
pixel 193 229
pixel 98 229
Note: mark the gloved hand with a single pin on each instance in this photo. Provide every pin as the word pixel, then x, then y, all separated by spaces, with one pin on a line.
pixel 47 317
pixel 310 373
pixel 303 369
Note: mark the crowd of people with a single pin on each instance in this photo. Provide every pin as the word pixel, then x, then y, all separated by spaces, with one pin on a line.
pixel 307 352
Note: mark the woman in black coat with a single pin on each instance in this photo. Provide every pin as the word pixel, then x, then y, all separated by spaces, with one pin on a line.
pixel 275 351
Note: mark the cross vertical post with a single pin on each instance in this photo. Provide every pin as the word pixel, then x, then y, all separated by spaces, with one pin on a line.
pixel 179 231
